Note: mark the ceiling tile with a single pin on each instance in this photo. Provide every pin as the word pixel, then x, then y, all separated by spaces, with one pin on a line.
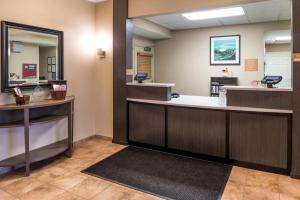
pixel 262 12
pixel 234 20
pixel 272 10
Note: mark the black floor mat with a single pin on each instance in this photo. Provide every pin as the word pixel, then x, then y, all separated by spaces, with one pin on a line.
pixel 165 175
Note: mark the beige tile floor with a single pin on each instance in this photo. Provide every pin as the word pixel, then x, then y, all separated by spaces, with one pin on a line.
pixel 62 180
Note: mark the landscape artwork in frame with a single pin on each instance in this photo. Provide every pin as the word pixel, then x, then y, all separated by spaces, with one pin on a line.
pixel 225 50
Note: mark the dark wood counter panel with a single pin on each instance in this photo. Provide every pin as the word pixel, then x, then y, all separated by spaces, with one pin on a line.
pixel 147 124
pixel 260 99
pixel 197 131
pixel 151 91
pixel 259 140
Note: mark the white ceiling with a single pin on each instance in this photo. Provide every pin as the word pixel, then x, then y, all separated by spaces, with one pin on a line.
pixel 271 10
pixel 148 33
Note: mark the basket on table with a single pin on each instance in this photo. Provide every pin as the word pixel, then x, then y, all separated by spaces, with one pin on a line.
pixel 58 90
pixel 22 100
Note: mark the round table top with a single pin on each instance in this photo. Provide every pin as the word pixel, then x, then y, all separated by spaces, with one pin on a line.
pixel 45 103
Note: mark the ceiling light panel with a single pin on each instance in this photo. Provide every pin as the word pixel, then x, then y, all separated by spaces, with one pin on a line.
pixel 215 13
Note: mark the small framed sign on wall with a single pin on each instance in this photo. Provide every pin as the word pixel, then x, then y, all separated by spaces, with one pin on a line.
pixel 225 50
pixel 51 64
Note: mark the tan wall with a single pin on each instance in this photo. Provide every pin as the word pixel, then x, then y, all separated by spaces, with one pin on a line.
pixel 139 8
pixel 147 25
pixel 103 92
pixel 278 47
pixel 185 59
pixel 77 19
pixel 46 52
pixel 139 41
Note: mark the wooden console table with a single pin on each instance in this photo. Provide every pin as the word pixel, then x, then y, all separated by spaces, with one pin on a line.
pixel 12 115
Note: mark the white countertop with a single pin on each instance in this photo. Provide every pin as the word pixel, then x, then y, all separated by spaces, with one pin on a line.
pixel 207 103
pixel 257 88
pixel 152 84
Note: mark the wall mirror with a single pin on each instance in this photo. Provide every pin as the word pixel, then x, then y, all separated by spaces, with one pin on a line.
pixel 30 56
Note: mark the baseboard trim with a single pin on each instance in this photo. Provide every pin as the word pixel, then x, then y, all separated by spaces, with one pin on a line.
pixel 83 140
pixel 118 142
pixel 103 137
pixel 295 176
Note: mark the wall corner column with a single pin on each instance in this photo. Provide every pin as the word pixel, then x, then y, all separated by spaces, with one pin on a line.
pixel 120 63
pixel 296 90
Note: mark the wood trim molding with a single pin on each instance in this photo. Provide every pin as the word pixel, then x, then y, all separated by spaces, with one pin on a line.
pixel 295 173
pixel 120 63
pixel 296 57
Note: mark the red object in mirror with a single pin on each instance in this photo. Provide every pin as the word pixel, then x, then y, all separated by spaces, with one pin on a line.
pixel 29 71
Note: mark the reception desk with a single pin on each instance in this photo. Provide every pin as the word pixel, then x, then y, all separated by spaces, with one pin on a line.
pixel 260 97
pixel 203 127
pixel 150 91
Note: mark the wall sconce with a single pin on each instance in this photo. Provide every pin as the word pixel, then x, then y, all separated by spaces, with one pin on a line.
pixel 101 53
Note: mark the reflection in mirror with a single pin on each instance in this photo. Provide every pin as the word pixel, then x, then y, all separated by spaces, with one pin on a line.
pixel 32 57
pixel 278 60
pixel 200 51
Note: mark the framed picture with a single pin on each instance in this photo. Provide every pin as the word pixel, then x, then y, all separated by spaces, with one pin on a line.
pixel 49 60
pixel 53 70
pixel 53 60
pixel 49 68
pixel 225 50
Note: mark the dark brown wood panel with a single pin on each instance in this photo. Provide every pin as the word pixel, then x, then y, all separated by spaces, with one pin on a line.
pixel 147 124
pixel 296 26
pixel 120 63
pixel 296 80
pixel 150 93
pixel 259 139
pixel 260 99
pixel 197 131
pixel 296 94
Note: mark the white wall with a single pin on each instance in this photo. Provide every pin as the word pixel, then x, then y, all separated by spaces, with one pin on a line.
pixel 185 58
pixel 77 19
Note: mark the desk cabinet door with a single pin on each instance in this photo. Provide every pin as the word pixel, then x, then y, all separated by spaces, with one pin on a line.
pixel 259 139
pixel 147 124
pixel 197 131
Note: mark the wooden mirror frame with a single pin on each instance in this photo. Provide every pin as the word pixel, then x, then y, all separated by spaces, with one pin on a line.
pixel 5 25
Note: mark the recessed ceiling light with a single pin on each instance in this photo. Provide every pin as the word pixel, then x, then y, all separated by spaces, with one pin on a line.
pixel 283 38
pixel 216 13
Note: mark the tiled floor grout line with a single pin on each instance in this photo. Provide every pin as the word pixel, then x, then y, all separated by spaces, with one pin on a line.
pixel 93 150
